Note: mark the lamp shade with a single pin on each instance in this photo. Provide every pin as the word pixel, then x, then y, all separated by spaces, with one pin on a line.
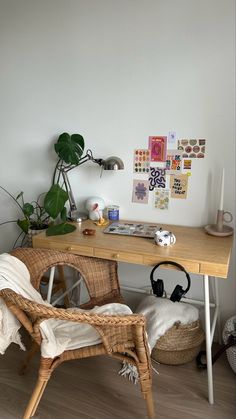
pixel 112 163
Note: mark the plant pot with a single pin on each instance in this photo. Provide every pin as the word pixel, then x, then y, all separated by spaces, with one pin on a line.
pixel 32 232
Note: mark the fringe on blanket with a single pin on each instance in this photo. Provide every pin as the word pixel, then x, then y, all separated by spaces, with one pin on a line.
pixel 129 371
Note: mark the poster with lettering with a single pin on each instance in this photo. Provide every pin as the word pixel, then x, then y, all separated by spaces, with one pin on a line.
pixel 179 186
pixel 157 147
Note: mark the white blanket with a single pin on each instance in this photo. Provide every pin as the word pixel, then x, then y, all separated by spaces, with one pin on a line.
pixel 58 335
pixel 162 313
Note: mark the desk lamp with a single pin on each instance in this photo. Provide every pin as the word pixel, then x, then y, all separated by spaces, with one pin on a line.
pixel 111 163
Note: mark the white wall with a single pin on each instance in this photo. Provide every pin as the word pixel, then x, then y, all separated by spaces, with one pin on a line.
pixel 117 72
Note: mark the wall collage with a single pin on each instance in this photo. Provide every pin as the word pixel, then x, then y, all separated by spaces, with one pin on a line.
pixel 165 166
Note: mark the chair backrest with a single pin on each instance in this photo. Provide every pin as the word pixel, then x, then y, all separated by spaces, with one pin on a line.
pixel 99 275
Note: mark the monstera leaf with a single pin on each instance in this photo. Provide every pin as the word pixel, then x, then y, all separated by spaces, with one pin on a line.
pixel 63 228
pixel 54 201
pixel 70 148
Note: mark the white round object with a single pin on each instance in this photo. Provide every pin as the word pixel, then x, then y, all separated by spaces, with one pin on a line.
pixel 94 203
pixel 164 238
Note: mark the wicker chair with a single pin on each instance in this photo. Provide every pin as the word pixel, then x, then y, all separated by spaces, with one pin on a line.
pixel 123 337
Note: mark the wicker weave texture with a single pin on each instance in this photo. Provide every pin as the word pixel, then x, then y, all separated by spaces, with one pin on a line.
pixel 180 344
pixel 123 337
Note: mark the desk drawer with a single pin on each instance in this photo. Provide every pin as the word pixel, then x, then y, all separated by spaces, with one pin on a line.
pixel 76 249
pixel 119 256
pixel 188 265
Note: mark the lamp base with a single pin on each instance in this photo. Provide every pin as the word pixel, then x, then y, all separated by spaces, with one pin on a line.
pixel 77 216
pixel 213 230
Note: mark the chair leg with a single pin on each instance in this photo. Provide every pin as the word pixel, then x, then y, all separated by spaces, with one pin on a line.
pixel 35 398
pixel 150 406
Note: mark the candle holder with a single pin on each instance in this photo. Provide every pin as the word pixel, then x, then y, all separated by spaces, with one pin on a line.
pixel 220 229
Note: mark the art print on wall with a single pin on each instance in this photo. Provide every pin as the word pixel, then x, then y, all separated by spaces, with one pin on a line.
pixel 173 162
pixel 179 186
pixel 192 149
pixel 157 147
pixel 141 161
pixel 157 178
pixel 140 191
pixel 161 198
pixel 187 164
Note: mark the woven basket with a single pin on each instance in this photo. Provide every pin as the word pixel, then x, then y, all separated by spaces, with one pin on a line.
pixel 230 327
pixel 180 344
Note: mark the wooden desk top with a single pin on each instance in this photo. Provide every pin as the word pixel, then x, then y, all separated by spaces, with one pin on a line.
pixel 197 251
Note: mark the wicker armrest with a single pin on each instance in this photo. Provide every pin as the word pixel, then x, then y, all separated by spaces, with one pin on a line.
pixel 41 311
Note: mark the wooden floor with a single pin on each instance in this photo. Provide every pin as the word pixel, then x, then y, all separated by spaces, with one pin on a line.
pixel 91 389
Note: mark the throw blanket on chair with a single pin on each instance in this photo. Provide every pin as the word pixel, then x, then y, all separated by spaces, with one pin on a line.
pixel 58 335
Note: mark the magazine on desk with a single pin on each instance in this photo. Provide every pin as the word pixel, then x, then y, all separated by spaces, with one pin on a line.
pixel 132 229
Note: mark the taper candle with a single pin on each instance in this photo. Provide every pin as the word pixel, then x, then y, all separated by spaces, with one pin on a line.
pixel 221 207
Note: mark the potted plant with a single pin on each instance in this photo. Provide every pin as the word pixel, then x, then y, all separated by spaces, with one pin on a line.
pixel 49 210
pixel 34 216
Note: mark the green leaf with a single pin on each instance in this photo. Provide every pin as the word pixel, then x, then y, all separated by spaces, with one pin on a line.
pixel 56 230
pixel 28 209
pixel 20 195
pixel 24 225
pixel 55 200
pixel 70 148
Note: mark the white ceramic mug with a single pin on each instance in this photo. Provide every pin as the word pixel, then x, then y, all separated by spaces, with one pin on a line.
pixel 164 238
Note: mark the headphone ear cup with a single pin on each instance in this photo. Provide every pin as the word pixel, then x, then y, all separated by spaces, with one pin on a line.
pixel 159 288
pixel 177 294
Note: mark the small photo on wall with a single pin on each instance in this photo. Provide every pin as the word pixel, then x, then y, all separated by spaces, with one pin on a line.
pixel 157 147
pixel 141 161
pixel 140 191
pixel 161 198
pixel 157 178
pixel 179 186
pixel 173 162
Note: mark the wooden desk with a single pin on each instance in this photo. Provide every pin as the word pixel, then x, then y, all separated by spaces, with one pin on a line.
pixel 198 252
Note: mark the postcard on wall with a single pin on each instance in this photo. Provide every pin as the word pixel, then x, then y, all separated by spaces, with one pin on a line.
pixel 187 164
pixel 157 147
pixel 157 178
pixel 192 149
pixel 141 161
pixel 179 186
pixel 172 138
pixel 161 198
pixel 140 191
pixel 173 162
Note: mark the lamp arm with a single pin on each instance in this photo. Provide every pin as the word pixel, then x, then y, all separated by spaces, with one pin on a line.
pixel 69 191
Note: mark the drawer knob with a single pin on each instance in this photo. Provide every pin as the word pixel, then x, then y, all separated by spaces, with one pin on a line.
pixel 69 248
pixel 116 255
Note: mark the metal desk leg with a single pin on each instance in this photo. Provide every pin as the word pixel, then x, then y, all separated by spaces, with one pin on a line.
pixel 208 340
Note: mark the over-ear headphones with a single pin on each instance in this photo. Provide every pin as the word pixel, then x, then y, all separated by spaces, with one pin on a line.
pixel 158 285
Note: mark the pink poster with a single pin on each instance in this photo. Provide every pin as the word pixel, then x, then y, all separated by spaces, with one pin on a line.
pixel 157 147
